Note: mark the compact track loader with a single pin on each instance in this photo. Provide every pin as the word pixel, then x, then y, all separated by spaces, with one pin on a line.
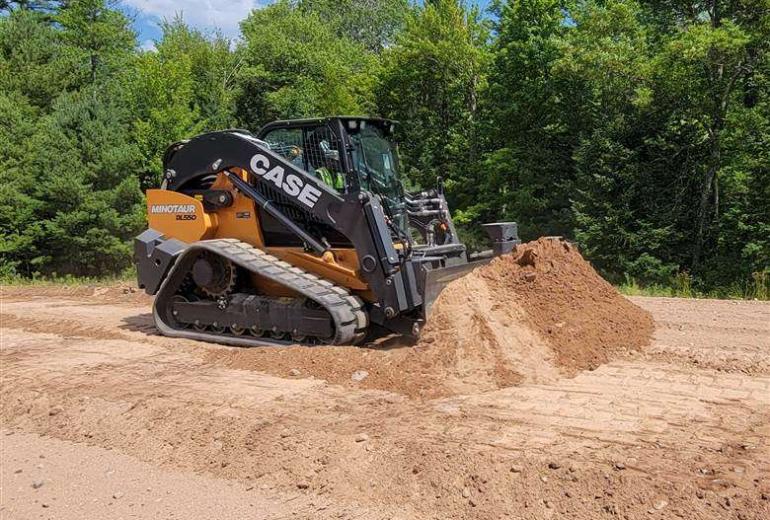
pixel 302 233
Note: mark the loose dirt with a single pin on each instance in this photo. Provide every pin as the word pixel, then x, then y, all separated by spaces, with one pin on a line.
pixel 115 421
pixel 534 313
pixel 583 318
pixel 531 316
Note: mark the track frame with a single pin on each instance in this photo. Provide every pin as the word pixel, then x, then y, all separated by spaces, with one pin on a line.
pixel 346 310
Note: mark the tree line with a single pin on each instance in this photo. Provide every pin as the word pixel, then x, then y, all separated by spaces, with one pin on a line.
pixel 638 128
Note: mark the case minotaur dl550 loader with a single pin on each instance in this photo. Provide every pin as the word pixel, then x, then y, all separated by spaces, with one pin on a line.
pixel 302 233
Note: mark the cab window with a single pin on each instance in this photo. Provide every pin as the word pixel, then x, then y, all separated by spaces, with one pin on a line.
pixel 323 156
pixel 288 143
pixel 315 149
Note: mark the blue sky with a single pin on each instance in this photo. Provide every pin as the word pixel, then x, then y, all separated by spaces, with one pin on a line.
pixel 202 14
pixel 206 15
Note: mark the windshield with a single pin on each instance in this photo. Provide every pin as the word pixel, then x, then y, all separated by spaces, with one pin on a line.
pixel 376 162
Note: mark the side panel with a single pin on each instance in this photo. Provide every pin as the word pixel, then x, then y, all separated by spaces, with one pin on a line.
pixel 241 221
pixel 178 216
pixel 338 265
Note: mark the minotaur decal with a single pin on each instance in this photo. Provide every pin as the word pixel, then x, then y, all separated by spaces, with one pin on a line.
pixel 172 208
pixel 291 184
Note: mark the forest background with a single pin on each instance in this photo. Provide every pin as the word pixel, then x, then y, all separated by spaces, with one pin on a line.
pixel 639 129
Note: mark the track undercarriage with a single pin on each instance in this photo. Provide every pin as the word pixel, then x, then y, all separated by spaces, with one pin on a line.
pixel 208 296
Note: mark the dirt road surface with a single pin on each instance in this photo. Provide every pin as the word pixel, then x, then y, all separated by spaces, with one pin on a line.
pixel 102 418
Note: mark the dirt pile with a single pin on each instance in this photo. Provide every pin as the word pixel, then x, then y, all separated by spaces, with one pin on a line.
pixel 530 316
pixel 544 293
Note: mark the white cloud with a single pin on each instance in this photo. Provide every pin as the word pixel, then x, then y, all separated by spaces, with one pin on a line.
pixel 148 45
pixel 202 14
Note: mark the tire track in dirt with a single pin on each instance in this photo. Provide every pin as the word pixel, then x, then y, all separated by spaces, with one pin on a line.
pixel 722 335
pixel 618 440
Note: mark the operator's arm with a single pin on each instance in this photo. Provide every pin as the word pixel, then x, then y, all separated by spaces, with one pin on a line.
pixel 331 178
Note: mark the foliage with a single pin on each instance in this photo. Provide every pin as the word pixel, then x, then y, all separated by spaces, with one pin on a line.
pixel 371 23
pixel 431 81
pixel 660 173
pixel 526 123
pixel 296 65
pixel 182 88
pixel 127 276
pixel 70 195
pixel 639 128
pixel 86 117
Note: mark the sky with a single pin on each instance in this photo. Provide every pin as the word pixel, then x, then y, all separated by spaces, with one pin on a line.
pixel 201 14
pixel 206 15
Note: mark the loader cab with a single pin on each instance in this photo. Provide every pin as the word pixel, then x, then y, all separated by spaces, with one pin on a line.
pixel 349 154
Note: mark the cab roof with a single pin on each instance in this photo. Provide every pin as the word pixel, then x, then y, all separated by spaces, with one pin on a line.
pixel 385 124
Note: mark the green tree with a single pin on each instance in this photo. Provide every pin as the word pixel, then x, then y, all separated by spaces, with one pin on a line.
pixel 529 127
pixel 294 64
pixel 90 205
pixel 32 59
pixel 431 81
pixel 713 51
pixel 621 194
pixel 96 37
pixel 69 195
pixel 17 207
pixel 664 170
pixel 182 88
pixel 640 128
pixel 372 23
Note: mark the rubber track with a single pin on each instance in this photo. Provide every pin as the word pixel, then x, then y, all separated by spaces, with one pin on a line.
pixel 346 310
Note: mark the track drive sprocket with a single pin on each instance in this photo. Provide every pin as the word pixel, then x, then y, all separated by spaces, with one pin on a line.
pixel 215 275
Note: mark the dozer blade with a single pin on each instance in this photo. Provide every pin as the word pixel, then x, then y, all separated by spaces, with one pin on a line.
pixel 436 279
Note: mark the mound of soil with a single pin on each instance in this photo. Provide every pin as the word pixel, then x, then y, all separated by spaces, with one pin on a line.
pixel 558 298
pixel 534 315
